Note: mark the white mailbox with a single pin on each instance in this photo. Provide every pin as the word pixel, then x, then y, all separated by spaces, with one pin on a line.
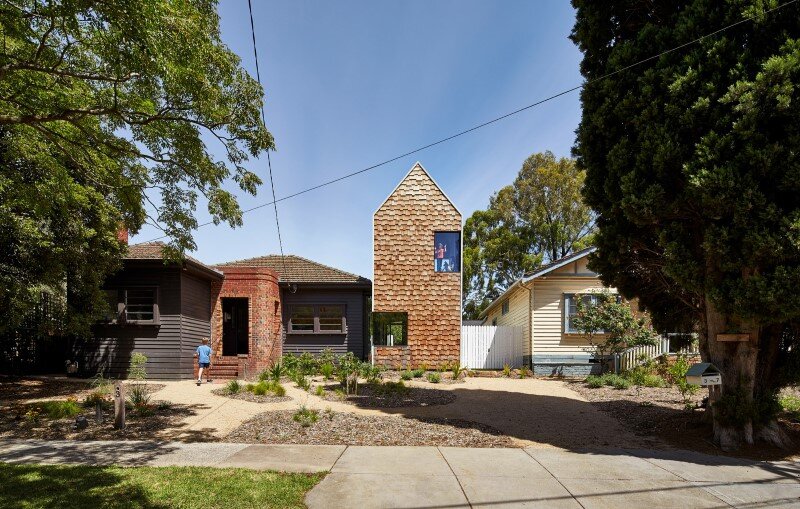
pixel 704 374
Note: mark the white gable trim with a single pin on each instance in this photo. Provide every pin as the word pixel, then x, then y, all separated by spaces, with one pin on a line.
pixel 404 179
pixel 565 261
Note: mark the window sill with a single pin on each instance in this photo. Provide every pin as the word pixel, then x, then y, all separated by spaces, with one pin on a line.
pixel 309 333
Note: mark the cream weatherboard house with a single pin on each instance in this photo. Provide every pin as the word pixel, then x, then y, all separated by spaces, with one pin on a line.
pixel 542 304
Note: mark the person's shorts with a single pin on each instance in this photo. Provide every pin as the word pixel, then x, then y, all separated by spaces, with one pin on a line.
pixel 204 364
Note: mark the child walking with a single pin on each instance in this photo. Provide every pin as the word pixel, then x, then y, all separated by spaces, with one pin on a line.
pixel 203 355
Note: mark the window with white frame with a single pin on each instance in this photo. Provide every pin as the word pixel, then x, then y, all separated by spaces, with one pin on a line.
pixel 571 309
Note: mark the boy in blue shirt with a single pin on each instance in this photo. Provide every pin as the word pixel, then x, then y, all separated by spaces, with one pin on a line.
pixel 203 355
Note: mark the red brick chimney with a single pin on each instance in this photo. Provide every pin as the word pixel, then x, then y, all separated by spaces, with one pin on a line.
pixel 122 235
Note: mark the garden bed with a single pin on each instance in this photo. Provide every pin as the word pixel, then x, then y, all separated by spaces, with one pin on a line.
pixel 378 396
pixel 334 428
pixel 160 421
pixel 661 412
pixel 245 395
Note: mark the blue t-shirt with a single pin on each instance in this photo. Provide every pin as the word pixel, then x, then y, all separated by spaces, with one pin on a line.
pixel 204 354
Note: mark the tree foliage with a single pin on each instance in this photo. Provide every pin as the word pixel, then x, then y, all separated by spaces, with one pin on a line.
pixel 609 326
pixel 109 115
pixel 539 218
pixel 693 168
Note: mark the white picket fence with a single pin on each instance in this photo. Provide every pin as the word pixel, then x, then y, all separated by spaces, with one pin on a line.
pixel 638 354
pixel 492 347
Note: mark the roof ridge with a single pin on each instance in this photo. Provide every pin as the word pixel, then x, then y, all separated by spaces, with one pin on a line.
pixel 327 266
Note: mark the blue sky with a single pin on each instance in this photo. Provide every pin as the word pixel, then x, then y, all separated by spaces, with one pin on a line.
pixel 352 83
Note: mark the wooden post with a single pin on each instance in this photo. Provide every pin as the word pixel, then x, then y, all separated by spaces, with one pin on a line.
pixel 119 406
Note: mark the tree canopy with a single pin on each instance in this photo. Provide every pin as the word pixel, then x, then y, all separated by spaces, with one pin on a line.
pixel 692 165
pixel 539 218
pixel 109 115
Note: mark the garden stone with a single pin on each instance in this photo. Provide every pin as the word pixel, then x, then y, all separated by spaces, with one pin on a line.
pixel 80 423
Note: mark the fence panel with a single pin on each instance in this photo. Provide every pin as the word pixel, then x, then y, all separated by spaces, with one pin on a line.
pixel 491 347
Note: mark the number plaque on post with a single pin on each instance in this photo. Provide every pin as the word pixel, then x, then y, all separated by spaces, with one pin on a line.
pixel 119 406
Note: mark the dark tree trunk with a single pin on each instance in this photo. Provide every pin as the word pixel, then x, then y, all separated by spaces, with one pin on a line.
pixel 748 377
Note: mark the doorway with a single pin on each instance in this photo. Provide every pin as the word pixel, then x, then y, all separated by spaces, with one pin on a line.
pixel 235 325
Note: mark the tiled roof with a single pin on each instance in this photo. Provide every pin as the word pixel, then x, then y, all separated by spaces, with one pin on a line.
pixel 299 270
pixel 155 251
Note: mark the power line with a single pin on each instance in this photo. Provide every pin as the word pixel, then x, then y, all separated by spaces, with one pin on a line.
pixel 269 160
pixel 487 123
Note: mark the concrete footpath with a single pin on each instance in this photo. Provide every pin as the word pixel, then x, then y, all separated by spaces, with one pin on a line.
pixel 449 477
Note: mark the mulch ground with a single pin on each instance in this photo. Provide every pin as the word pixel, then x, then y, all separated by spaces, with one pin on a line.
pixel 334 428
pixel 371 396
pixel 660 412
pixel 249 396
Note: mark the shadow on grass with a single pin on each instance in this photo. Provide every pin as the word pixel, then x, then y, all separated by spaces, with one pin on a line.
pixel 76 487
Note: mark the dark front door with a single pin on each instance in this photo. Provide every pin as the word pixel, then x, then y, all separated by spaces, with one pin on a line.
pixel 235 338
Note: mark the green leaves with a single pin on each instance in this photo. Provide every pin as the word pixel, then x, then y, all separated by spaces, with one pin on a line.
pixel 541 217
pixel 116 107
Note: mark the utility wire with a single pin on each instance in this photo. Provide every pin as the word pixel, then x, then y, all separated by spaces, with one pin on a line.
pixel 269 160
pixel 494 120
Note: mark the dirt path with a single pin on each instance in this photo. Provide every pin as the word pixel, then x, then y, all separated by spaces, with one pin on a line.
pixel 533 412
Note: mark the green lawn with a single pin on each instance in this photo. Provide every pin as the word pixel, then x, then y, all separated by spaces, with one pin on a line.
pixel 33 486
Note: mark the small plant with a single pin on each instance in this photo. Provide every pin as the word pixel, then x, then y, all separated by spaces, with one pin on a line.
pixel 327 370
pixel 621 383
pixel 264 387
pixel 340 393
pixel 417 373
pixel 457 369
pixel 594 381
pixel 328 413
pixel 233 387
pixel 289 363
pixel 307 364
pixel 33 415
pixel 319 391
pixel 57 409
pixel 277 371
pixel 677 373
pixel 434 377
pixel 95 398
pixel 406 375
pixel 326 357
pixel 138 395
pixel 373 374
pixel 392 388
pixel 301 381
pixel 137 370
pixel 654 381
pixel 306 416
pixel 525 372
pixel 506 370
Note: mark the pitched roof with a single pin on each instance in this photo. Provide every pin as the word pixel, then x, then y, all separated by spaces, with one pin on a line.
pixel 155 251
pixel 299 270
pixel 430 177
pixel 541 271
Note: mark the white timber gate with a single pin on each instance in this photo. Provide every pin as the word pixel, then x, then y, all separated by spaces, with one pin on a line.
pixel 492 347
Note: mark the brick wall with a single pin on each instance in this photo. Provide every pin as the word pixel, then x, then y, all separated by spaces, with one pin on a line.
pixel 260 286
pixel 404 276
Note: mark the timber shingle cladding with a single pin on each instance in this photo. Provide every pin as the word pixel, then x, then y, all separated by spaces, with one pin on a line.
pixel 404 278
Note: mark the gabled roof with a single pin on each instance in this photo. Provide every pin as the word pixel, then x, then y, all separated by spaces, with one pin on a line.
pixel 300 270
pixel 417 164
pixel 155 251
pixel 541 271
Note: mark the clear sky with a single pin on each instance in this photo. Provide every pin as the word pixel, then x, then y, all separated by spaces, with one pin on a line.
pixel 352 83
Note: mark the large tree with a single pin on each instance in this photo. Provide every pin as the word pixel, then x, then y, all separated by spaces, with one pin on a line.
pixel 539 218
pixel 693 167
pixel 109 115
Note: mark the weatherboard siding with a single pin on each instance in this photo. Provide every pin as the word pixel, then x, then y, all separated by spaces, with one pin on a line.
pixel 195 319
pixel 547 317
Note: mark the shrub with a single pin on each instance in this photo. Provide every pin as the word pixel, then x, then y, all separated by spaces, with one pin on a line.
pixel 290 363
pixel 55 409
pixel 373 374
pixel 406 375
pixel 233 387
pixel 391 388
pixel 326 357
pixel 326 370
pixel 594 381
pixel 506 370
pixel 654 381
pixel 306 416
pixel 320 391
pixel 138 395
pixel 457 369
pixel 434 378
pixel 96 398
pixel 277 371
pixel 417 373
pixel 677 372
pixel 307 364
pixel 264 387
pixel 525 372
pixel 301 381
pixel 611 378
pixel 621 383
pixel 791 405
